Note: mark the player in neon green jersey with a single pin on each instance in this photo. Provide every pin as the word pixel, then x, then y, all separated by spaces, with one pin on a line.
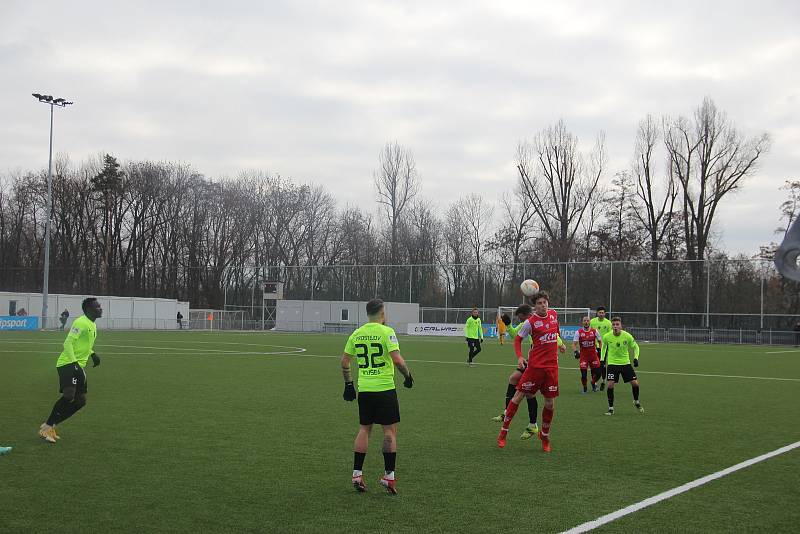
pixel 617 348
pixel 375 347
pixel 78 348
pixel 603 326
pixel 473 331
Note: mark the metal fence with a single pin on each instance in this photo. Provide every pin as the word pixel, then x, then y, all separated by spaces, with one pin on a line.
pixel 721 294
pixel 716 336
pixel 730 294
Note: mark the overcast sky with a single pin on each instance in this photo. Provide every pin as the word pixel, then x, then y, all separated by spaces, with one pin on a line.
pixel 313 90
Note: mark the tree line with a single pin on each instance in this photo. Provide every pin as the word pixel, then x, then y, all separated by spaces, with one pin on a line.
pixel 163 229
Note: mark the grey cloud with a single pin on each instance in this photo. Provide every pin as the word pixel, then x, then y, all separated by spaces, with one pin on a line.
pixel 313 89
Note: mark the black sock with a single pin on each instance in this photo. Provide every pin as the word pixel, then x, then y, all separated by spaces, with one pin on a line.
pixel 389 459
pixel 358 460
pixel 533 407
pixel 610 393
pixel 510 390
pixel 635 393
pixel 62 410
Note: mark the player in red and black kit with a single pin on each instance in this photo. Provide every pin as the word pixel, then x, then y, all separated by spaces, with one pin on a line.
pixel 586 338
pixel 541 373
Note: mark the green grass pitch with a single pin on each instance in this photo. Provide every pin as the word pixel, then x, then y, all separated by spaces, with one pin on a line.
pixel 213 432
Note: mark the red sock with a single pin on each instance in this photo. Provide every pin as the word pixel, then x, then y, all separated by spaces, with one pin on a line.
pixel 511 409
pixel 547 418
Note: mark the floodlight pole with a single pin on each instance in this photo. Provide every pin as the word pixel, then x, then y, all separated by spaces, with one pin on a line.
pixel 45 283
pixel 49 100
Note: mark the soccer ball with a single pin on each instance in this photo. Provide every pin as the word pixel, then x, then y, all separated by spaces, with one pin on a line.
pixel 529 287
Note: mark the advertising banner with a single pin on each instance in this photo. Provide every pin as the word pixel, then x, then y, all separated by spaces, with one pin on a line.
pixel 436 329
pixel 13 322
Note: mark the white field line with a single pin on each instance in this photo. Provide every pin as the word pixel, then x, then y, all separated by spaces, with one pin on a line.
pixel 299 350
pixel 613 516
pixel 783 351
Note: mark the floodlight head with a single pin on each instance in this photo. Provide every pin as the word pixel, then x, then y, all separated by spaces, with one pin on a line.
pixel 37 96
pixel 58 101
pixel 49 98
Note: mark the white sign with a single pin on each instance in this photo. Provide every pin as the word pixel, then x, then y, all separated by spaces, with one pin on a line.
pixel 436 329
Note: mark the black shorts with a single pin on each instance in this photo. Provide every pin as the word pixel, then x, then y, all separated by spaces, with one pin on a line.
pixel 378 407
pixel 625 371
pixel 72 375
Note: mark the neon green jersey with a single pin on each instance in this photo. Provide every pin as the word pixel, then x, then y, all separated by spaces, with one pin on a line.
pixel 616 348
pixel 603 326
pixel 473 329
pixel 79 343
pixel 371 345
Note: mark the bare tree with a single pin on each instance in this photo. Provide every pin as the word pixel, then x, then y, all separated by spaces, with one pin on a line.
pixel 709 158
pixel 515 231
pixel 618 235
pixel 657 200
pixel 790 208
pixel 559 180
pixel 396 183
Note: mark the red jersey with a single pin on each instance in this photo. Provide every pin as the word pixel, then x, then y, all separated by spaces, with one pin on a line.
pixel 544 332
pixel 587 340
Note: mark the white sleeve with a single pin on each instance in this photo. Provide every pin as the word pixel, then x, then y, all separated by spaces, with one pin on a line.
pixel 524 330
pixel 577 336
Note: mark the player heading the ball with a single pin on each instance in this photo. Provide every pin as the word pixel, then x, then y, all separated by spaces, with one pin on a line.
pixel 541 373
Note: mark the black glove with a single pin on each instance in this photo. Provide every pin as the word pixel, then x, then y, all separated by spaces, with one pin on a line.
pixel 636 362
pixel 409 381
pixel 349 392
pixel 95 360
pixel 577 354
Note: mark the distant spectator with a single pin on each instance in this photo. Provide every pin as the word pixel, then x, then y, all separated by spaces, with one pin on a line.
pixel 63 318
pixel 22 313
pixel 797 334
pixel 180 320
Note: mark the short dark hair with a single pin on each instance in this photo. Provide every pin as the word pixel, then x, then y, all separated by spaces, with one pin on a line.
pixel 524 309
pixel 540 295
pixel 374 307
pixel 601 308
pixel 616 319
pixel 86 302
